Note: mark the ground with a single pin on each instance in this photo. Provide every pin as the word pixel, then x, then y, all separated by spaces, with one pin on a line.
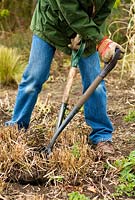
pixel 97 182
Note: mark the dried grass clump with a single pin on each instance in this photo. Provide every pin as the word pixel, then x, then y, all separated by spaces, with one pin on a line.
pixel 73 161
pixel 10 66
pixel 20 161
pixel 72 156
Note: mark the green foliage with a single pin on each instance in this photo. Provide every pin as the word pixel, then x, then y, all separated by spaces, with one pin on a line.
pixel 4 13
pixel 10 66
pixel 117 3
pixel 130 117
pixel 126 167
pixel 77 196
pixel 75 150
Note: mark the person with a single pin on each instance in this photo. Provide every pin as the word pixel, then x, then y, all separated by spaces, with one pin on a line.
pixel 56 24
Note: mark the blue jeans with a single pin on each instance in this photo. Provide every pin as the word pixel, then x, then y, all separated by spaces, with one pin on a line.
pixel 37 72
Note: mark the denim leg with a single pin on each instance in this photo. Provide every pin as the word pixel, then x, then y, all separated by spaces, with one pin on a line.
pixel 95 110
pixel 35 74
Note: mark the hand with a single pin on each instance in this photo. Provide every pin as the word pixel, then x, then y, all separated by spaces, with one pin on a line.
pixel 75 43
pixel 107 48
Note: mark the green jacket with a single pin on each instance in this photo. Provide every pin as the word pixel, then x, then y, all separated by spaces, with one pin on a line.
pixel 57 21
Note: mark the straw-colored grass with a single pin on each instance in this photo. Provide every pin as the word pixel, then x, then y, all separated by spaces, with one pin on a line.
pixel 20 163
pixel 127 27
pixel 10 65
pixel 129 58
pixel 70 161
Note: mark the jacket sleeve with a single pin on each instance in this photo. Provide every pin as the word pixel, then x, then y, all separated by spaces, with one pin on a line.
pixel 104 12
pixel 79 20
